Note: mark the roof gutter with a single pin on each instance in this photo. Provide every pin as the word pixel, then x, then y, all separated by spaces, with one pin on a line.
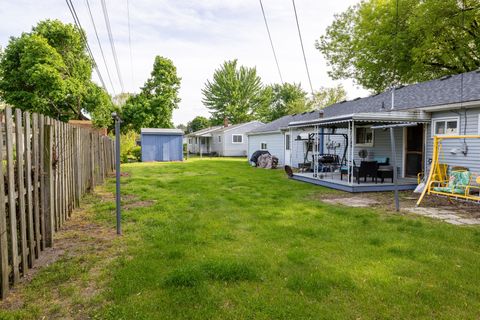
pixel 256 133
pixel 446 107
pixel 390 116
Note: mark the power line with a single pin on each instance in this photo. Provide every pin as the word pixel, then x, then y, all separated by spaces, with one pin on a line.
pixel 301 43
pixel 130 41
pixel 100 45
pixel 112 42
pixel 271 42
pixel 79 26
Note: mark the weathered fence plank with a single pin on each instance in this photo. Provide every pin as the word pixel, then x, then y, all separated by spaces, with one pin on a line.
pixel 29 189
pixel 48 200
pixel 36 185
pixel 12 210
pixel 3 231
pixel 49 166
pixel 21 189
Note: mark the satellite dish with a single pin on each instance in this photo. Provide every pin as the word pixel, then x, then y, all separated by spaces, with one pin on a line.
pixel 363 154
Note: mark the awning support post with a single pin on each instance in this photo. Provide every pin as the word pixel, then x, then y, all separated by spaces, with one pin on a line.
pixel 394 164
pixel 353 153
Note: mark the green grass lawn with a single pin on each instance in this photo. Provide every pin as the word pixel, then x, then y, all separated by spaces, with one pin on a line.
pixel 217 239
pixel 223 240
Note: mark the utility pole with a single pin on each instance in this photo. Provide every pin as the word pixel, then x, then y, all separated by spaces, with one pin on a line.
pixel 117 120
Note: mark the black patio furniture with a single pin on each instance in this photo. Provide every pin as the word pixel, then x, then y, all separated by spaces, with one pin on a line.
pixel 366 169
pixel 384 172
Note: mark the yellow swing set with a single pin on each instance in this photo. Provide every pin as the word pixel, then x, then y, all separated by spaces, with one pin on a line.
pixel 460 183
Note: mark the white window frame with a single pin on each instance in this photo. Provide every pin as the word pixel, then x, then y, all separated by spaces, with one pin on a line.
pixel 478 124
pixel 261 146
pixel 189 140
pixel 237 135
pixel 370 144
pixel 445 120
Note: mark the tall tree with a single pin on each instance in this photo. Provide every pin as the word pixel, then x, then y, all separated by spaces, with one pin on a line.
pixel 49 71
pixel 198 123
pixel 285 99
pixel 154 105
pixel 182 127
pixel 234 93
pixel 325 97
pixel 429 39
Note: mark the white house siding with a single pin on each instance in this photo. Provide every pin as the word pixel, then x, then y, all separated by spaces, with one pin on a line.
pixel 472 160
pixel 231 149
pixel 192 147
pixel 274 141
pixel 299 147
pixel 216 145
pixel 382 147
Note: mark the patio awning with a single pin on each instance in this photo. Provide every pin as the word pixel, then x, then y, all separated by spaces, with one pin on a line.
pixel 370 117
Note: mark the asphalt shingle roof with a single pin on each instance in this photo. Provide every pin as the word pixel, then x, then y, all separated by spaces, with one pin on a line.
pixel 202 131
pixel 235 125
pixel 445 90
pixel 285 120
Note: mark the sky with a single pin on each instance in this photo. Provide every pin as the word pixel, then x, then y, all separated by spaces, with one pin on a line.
pixel 198 36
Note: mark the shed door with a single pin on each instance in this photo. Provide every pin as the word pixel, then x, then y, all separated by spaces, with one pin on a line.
pixel 166 150
pixel 148 148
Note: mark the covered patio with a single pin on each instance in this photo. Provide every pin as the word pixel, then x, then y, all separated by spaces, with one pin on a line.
pixel 362 159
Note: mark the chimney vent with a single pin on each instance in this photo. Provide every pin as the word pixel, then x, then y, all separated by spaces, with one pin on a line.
pixel 225 122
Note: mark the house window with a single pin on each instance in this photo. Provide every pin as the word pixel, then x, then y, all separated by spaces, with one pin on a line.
pixel 219 139
pixel 189 140
pixel 364 136
pixel 237 138
pixel 479 124
pixel 263 146
pixel 445 126
pixel 287 142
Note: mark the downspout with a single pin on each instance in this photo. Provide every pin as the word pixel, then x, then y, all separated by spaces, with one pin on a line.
pixel 321 140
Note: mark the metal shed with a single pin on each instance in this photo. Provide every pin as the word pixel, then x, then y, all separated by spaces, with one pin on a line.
pixel 159 144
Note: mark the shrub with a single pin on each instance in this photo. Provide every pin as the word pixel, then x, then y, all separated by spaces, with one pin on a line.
pixel 127 145
pixel 136 153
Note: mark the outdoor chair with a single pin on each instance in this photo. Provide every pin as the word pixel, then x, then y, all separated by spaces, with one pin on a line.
pixel 384 172
pixel 344 170
pixel 366 169
pixel 459 182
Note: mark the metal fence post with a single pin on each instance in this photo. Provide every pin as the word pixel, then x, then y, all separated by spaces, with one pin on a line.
pixel 117 171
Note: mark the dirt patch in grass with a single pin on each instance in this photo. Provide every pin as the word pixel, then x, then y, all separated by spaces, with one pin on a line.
pixel 138 204
pixel 122 174
pixel 353 201
pixel 408 199
pixel 65 282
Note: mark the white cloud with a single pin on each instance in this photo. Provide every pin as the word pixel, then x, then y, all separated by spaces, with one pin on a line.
pixel 198 36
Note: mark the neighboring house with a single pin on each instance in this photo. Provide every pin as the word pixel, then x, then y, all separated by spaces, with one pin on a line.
pixel 225 141
pixel 161 144
pixel 446 106
pixel 275 136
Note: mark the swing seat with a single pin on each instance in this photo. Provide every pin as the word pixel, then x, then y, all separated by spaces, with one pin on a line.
pixel 457 183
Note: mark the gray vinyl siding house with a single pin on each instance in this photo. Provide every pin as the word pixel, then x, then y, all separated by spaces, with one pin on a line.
pixel 446 106
pixel 229 141
pixel 272 142
pixel 469 124
pixel 276 138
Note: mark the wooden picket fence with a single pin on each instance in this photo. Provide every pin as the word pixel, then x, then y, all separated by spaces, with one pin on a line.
pixel 47 166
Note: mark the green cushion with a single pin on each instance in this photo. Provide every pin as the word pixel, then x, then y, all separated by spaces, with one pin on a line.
pixel 456 183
